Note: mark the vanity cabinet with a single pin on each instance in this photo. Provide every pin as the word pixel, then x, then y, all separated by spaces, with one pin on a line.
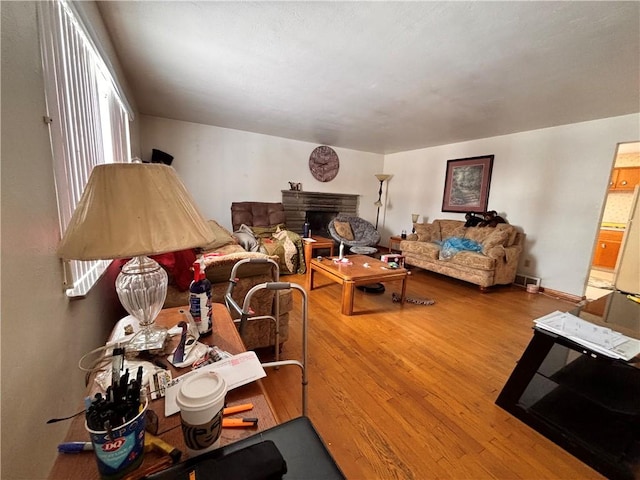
pixel 607 248
pixel 624 179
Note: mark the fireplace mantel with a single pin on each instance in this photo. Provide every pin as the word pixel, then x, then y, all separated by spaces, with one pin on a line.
pixel 297 203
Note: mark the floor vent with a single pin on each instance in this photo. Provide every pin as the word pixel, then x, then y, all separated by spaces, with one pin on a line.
pixel 523 280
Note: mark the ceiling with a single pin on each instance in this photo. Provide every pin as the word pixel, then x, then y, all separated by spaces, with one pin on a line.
pixel 379 77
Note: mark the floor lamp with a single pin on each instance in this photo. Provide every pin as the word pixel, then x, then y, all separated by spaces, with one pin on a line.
pixel 381 178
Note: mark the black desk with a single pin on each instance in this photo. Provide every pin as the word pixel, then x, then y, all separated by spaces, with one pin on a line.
pixel 587 403
pixel 301 447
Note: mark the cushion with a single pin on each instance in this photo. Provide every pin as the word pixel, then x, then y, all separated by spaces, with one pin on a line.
pixel 479 234
pixel 448 228
pixel 222 236
pixel 244 236
pixel 266 232
pixel 427 232
pixel 511 230
pixel 343 229
pixel 497 237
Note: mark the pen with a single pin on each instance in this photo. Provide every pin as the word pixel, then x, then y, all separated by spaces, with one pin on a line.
pixel 75 447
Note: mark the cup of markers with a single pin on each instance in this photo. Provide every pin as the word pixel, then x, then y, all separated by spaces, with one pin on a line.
pixel 120 450
pixel 116 424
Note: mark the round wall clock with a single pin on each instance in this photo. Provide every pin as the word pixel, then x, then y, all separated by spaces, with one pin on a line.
pixel 324 163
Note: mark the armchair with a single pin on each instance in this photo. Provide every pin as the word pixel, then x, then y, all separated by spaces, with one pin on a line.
pixel 353 231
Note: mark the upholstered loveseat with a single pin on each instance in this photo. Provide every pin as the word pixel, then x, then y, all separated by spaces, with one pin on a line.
pixel 494 264
pixel 220 256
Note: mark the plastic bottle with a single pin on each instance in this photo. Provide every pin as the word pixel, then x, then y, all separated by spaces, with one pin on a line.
pixel 341 256
pixel 306 230
pixel 200 299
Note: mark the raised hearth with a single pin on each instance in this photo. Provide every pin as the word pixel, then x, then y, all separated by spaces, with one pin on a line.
pixel 318 207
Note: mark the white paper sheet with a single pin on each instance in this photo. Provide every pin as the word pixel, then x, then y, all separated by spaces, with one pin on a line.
pixel 596 338
pixel 237 370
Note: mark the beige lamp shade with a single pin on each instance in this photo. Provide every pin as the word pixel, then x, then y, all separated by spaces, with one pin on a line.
pixel 383 176
pixel 132 209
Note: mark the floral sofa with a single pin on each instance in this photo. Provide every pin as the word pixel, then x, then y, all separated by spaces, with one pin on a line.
pixel 220 256
pixel 494 261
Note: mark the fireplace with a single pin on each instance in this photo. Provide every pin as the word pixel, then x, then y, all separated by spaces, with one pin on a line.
pixel 319 221
pixel 316 208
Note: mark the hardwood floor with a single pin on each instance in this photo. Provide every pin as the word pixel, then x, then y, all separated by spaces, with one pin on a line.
pixel 407 391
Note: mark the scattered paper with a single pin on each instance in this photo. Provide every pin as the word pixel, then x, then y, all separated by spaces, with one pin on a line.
pixel 599 339
pixel 236 370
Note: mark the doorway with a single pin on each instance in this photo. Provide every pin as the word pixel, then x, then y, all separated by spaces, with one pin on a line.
pixel 613 222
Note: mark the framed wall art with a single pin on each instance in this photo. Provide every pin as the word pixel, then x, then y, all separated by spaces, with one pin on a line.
pixel 466 186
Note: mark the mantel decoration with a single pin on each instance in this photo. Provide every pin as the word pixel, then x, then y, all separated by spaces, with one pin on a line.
pixel 466 186
pixel 324 163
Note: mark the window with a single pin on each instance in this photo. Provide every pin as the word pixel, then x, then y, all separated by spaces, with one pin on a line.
pixel 87 115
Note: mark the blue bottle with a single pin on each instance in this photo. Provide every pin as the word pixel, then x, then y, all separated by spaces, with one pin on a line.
pixel 200 299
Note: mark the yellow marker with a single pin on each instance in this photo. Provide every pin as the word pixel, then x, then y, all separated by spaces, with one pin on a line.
pixel 633 298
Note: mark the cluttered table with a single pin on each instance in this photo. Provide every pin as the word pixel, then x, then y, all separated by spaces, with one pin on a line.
pixel 225 336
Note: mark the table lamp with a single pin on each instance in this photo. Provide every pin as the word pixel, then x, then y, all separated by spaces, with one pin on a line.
pixel 414 219
pixel 130 210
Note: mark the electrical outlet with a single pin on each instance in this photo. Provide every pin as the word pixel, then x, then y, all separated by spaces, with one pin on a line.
pixel 527 262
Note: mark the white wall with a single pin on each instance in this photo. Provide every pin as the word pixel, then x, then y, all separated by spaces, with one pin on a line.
pixel 551 183
pixel 43 333
pixel 220 166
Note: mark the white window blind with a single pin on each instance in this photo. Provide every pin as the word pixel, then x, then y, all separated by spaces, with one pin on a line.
pixel 88 120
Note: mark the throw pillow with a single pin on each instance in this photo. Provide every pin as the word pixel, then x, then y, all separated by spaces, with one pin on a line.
pixel 343 229
pixel 498 237
pixel 266 232
pixel 222 236
pixel 511 230
pixel 244 236
pixel 427 232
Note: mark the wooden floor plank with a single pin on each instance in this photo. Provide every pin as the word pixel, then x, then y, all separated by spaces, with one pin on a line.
pixel 408 391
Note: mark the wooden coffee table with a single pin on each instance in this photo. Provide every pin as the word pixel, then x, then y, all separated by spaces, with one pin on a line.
pixel 354 274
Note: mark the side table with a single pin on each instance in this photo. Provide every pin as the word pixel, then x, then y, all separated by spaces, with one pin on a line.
pixel 315 243
pixel 394 243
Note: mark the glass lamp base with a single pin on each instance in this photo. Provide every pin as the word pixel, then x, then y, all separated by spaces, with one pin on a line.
pixel 150 339
pixel 142 289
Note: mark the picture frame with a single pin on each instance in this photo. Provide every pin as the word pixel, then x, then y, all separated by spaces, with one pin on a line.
pixel 466 185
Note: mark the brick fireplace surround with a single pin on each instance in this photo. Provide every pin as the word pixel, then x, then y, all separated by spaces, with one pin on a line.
pixel 316 207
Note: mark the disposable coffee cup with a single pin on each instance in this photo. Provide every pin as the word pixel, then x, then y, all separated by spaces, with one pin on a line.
pixel 201 401
pixel 121 449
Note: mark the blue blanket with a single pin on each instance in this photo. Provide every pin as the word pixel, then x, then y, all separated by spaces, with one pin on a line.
pixel 453 245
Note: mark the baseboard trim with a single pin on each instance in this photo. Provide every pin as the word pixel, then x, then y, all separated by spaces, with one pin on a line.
pixel 562 295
